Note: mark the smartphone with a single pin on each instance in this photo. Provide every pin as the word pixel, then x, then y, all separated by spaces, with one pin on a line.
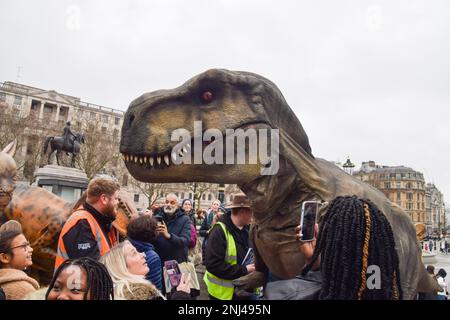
pixel 308 220
pixel 173 272
pixel 159 219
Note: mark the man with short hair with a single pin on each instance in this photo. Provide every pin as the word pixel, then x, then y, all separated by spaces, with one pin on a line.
pixel 89 231
pixel 228 244
pixel 174 231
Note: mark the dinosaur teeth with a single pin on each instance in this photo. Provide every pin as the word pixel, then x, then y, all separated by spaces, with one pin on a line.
pixel 151 161
pixel 166 159
pixel 188 145
pixel 174 156
pixel 158 159
pixel 141 160
pixel 185 150
pixel 145 159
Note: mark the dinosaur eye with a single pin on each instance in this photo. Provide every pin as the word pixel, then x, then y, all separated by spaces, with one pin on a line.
pixel 207 96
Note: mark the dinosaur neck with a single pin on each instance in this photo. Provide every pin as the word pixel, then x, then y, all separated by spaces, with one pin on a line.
pixel 282 193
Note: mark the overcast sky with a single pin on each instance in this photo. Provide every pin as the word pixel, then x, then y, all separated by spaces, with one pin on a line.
pixel 368 79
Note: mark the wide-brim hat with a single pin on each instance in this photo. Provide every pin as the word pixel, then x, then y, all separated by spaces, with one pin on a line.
pixel 240 201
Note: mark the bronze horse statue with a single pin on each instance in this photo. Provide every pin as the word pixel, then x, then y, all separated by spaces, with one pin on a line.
pixel 57 144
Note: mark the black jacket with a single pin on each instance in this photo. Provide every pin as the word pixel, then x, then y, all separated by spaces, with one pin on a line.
pixel 176 248
pixel 217 247
pixel 80 242
pixel 206 224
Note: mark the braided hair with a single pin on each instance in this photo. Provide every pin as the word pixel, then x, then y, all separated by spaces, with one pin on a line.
pixel 353 235
pixel 99 282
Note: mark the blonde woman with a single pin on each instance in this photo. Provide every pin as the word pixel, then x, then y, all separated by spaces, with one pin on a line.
pixel 128 268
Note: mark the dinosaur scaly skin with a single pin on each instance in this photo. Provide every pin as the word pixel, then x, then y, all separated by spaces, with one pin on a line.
pixel 224 99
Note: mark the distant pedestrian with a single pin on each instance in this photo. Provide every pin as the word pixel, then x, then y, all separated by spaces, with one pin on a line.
pixel 440 277
pixel 444 246
pixel 431 245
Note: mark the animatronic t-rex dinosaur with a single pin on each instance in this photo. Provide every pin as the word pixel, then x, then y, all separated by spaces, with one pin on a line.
pixel 223 100
pixel 42 215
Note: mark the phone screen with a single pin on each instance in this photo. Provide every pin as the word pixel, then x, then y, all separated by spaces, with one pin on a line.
pixel 308 220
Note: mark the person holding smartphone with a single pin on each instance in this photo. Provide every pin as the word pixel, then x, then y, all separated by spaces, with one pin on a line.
pixel 352 232
pixel 173 231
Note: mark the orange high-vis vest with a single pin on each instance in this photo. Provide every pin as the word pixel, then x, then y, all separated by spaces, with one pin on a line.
pixel 103 245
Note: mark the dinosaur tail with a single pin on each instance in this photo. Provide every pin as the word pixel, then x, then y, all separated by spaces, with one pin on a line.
pixel 47 141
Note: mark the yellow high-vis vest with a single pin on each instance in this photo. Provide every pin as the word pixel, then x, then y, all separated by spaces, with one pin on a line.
pixel 220 288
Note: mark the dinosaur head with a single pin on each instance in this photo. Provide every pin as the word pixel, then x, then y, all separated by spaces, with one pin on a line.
pixel 8 172
pixel 214 101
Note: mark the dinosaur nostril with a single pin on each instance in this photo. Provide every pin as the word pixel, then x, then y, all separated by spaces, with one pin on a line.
pixel 130 120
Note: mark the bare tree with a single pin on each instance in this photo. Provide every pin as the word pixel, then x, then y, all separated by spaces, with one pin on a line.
pixel 29 133
pixel 150 190
pixel 198 189
pixel 98 152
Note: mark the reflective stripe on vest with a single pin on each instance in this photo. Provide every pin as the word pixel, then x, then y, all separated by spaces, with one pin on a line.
pixel 220 288
pixel 102 243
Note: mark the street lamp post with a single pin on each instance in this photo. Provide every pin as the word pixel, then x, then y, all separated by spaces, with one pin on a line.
pixel 348 166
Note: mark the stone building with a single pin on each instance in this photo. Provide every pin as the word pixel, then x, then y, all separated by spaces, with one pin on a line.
pixel 402 185
pixel 435 209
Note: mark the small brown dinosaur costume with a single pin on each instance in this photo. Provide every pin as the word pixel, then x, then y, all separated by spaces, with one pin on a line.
pixel 222 100
pixel 42 215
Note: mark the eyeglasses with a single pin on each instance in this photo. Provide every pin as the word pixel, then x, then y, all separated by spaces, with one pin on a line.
pixel 172 202
pixel 24 246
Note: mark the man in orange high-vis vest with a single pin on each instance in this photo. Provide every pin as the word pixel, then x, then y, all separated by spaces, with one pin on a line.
pixel 89 231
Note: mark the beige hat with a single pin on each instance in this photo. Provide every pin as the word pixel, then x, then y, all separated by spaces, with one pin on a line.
pixel 240 201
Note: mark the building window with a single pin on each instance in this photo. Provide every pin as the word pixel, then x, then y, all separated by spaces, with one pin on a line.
pixel 209 197
pixel 204 197
pixel 387 185
pixel 136 198
pixel 398 196
pixel 409 196
pixel 2 96
pixel 190 195
pixel 103 129
pixel 116 121
pixel 408 185
pixel 115 133
pixel 17 100
pixel 93 115
pixel 125 180
pixel 399 185
pixel 48 109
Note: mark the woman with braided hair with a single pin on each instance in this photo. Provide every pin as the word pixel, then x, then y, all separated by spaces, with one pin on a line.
pixel 354 257
pixel 81 279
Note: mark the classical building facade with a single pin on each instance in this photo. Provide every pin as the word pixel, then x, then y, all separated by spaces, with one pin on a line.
pixel 435 208
pixel 402 185
pixel 48 110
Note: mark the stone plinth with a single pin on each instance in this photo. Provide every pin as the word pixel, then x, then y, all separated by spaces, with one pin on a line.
pixel 65 182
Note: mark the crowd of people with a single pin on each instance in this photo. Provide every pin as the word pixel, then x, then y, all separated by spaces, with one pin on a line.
pixel 94 263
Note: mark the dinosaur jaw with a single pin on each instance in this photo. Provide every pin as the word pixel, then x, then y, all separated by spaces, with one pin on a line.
pixel 187 161
pixel 161 172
